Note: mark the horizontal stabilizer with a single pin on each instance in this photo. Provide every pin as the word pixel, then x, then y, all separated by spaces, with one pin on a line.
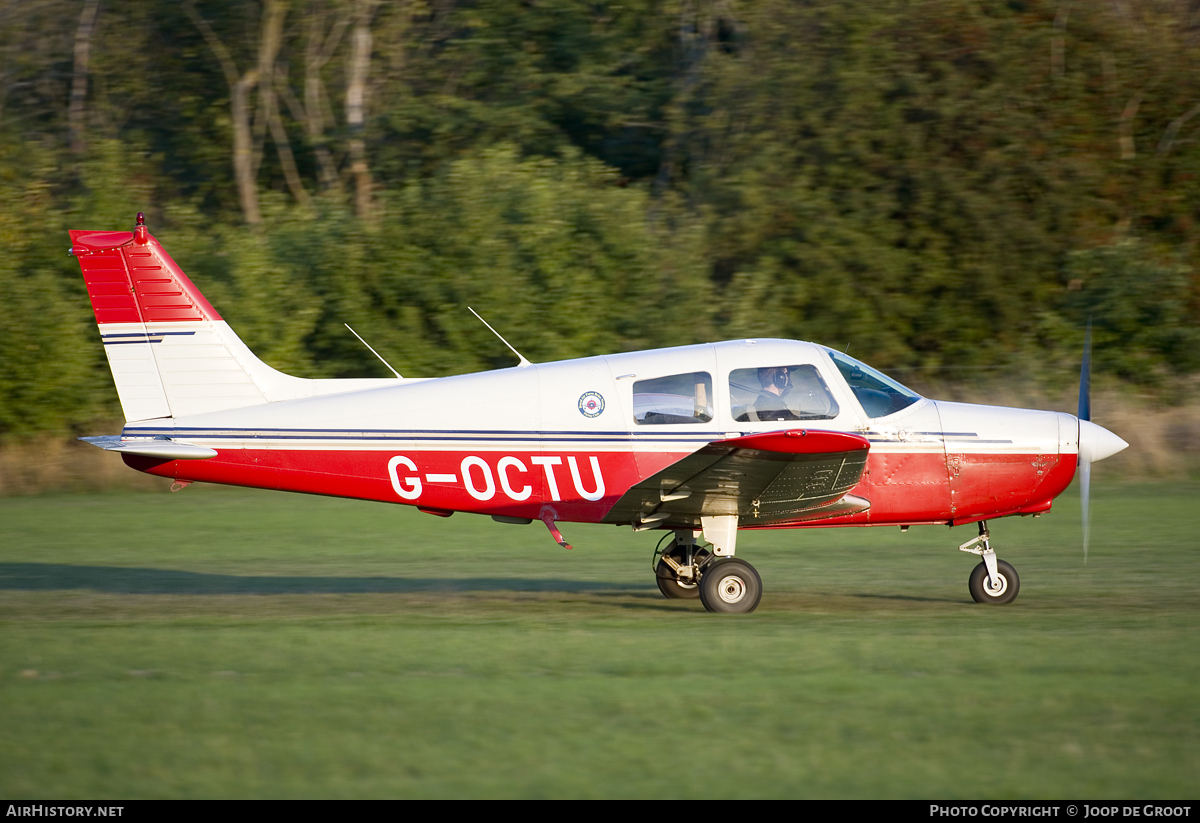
pixel 162 448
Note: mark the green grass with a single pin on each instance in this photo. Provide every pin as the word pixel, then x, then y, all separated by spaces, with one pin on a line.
pixel 223 643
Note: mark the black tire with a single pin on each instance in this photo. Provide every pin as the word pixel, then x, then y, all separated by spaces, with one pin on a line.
pixel 730 586
pixel 1010 584
pixel 669 584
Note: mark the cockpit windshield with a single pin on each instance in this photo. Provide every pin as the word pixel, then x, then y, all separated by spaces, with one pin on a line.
pixel 879 394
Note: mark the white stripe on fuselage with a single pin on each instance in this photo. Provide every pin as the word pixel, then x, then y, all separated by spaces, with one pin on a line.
pixel 536 408
pixel 351 440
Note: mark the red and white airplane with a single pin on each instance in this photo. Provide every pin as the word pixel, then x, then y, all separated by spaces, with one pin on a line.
pixel 699 441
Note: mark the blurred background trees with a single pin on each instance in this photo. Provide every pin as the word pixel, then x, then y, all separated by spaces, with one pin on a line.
pixel 947 188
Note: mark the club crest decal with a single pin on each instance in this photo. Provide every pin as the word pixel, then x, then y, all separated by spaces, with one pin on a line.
pixel 591 404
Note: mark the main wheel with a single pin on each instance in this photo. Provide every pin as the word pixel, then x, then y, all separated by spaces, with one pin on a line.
pixel 669 583
pixel 1005 590
pixel 730 586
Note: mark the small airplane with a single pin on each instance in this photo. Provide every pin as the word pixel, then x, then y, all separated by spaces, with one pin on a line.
pixel 698 441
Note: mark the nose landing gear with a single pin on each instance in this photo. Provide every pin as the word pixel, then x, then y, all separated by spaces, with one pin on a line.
pixel 993 580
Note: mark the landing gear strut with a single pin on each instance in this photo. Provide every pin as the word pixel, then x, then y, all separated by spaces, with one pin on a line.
pixel 677 567
pixel 993 580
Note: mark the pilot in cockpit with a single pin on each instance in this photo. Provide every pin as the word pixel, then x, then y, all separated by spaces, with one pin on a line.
pixel 795 393
pixel 771 404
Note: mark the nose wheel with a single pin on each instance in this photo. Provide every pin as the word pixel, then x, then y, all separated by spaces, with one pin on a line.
pixel 994 580
pixel 1002 588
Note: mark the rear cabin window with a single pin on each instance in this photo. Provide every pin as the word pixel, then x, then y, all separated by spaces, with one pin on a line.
pixel 775 393
pixel 676 398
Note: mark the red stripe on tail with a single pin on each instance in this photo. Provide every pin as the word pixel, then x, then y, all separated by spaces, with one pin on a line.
pixel 131 278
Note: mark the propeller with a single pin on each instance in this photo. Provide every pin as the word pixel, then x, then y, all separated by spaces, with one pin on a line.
pixel 1085 416
pixel 1095 442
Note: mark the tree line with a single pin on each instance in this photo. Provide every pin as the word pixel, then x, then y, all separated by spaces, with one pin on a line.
pixel 946 188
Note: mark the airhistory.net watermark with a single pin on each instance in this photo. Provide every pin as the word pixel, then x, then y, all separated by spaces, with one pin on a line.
pixel 43 810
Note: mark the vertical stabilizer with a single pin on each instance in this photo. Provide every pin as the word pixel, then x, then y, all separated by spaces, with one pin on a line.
pixel 170 353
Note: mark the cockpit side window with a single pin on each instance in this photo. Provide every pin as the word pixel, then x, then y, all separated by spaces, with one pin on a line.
pixel 775 393
pixel 879 394
pixel 676 398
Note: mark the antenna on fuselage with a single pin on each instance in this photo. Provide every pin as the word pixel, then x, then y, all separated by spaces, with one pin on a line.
pixel 520 356
pixel 377 354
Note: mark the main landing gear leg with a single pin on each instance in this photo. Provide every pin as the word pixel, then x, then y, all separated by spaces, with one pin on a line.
pixel 727 585
pixel 677 568
pixel 993 580
pixel 723 583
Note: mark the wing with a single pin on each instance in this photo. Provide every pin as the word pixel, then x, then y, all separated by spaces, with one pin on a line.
pixel 777 477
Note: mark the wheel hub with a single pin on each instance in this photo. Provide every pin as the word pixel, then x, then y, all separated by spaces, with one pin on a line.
pixel 732 589
pixel 996 586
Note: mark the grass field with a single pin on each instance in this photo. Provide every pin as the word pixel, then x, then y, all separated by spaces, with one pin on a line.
pixel 223 643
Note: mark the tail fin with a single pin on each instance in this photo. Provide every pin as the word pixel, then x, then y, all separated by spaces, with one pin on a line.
pixel 170 353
